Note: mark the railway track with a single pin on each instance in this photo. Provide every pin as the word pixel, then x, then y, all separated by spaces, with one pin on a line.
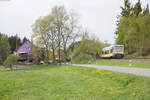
pixel 131 59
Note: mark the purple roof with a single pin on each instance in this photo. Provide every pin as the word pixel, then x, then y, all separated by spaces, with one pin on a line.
pixel 25 48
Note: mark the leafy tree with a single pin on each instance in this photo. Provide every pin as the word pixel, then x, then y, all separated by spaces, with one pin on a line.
pixel 133 32
pixel 4 48
pixel 10 61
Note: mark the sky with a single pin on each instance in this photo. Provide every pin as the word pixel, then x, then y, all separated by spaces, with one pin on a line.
pixel 97 16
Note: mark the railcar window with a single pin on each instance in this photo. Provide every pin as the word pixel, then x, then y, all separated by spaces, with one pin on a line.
pixel 103 52
pixel 111 50
pixel 118 49
pixel 107 52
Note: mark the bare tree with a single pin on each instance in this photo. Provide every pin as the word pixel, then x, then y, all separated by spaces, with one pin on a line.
pixel 70 32
pixel 66 27
pixel 52 35
pixel 60 18
pixel 56 31
pixel 40 30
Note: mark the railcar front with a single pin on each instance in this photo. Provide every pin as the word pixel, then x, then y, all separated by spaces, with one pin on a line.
pixel 115 51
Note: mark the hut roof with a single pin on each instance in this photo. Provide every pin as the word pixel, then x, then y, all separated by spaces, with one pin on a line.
pixel 25 48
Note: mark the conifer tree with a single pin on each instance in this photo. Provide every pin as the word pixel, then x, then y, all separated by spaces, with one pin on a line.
pixel 137 8
pixel 146 10
pixel 126 10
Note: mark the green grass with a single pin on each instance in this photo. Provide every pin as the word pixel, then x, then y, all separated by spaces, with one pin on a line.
pixel 131 56
pixel 71 83
pixel 138 64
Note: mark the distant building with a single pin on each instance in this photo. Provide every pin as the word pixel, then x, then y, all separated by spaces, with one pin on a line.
pixel 23 53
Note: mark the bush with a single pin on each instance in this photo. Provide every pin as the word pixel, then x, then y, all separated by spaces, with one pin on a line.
pixel 37 55
pixel 10 61
pixel 88 50
pixel 83 58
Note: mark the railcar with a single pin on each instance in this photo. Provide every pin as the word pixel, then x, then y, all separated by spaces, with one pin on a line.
pixel 114 51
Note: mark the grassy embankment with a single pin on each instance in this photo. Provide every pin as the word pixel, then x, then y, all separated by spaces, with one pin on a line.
pixel 123 63
pixel 71 83
pixel 119 62
pixel 131 56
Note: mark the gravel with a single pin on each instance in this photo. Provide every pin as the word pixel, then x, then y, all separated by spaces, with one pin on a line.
pixel 135 71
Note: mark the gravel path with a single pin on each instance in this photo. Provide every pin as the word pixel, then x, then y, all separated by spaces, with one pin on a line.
pixel 135 71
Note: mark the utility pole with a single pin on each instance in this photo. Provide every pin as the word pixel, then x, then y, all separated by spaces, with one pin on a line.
pixel 16 48
pixel 16 42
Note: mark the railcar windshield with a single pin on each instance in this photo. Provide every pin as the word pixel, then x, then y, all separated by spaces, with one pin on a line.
pixel 118 48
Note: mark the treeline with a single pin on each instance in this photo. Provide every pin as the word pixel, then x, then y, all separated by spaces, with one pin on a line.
pixel 8 45
pixel 133 29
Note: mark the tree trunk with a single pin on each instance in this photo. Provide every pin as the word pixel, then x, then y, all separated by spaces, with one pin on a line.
pixel 59 55
pixel 65 53
pixel 59 43
pixel 47 56
pixel 53 55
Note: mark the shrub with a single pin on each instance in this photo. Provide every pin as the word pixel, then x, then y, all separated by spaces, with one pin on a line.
pixel 83 58
pixel 38 54
pixel 10 61
pixel 87 50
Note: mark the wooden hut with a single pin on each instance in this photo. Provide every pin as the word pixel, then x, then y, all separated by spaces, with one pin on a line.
pixel 23 53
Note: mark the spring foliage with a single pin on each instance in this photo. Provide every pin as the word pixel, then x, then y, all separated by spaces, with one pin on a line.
pixel 56 31
pixel 4 48
pixel 87 50
pixel 133 29
pixel 38 54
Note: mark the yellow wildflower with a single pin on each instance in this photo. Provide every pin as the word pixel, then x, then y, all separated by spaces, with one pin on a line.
pixel 111 90
pixel 98 70
pixel 103 89
pixel 134 94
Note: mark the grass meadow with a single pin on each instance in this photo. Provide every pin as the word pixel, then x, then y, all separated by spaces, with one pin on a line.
pixel 71 83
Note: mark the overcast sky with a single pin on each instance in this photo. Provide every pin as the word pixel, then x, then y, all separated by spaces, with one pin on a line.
pixel 98 16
